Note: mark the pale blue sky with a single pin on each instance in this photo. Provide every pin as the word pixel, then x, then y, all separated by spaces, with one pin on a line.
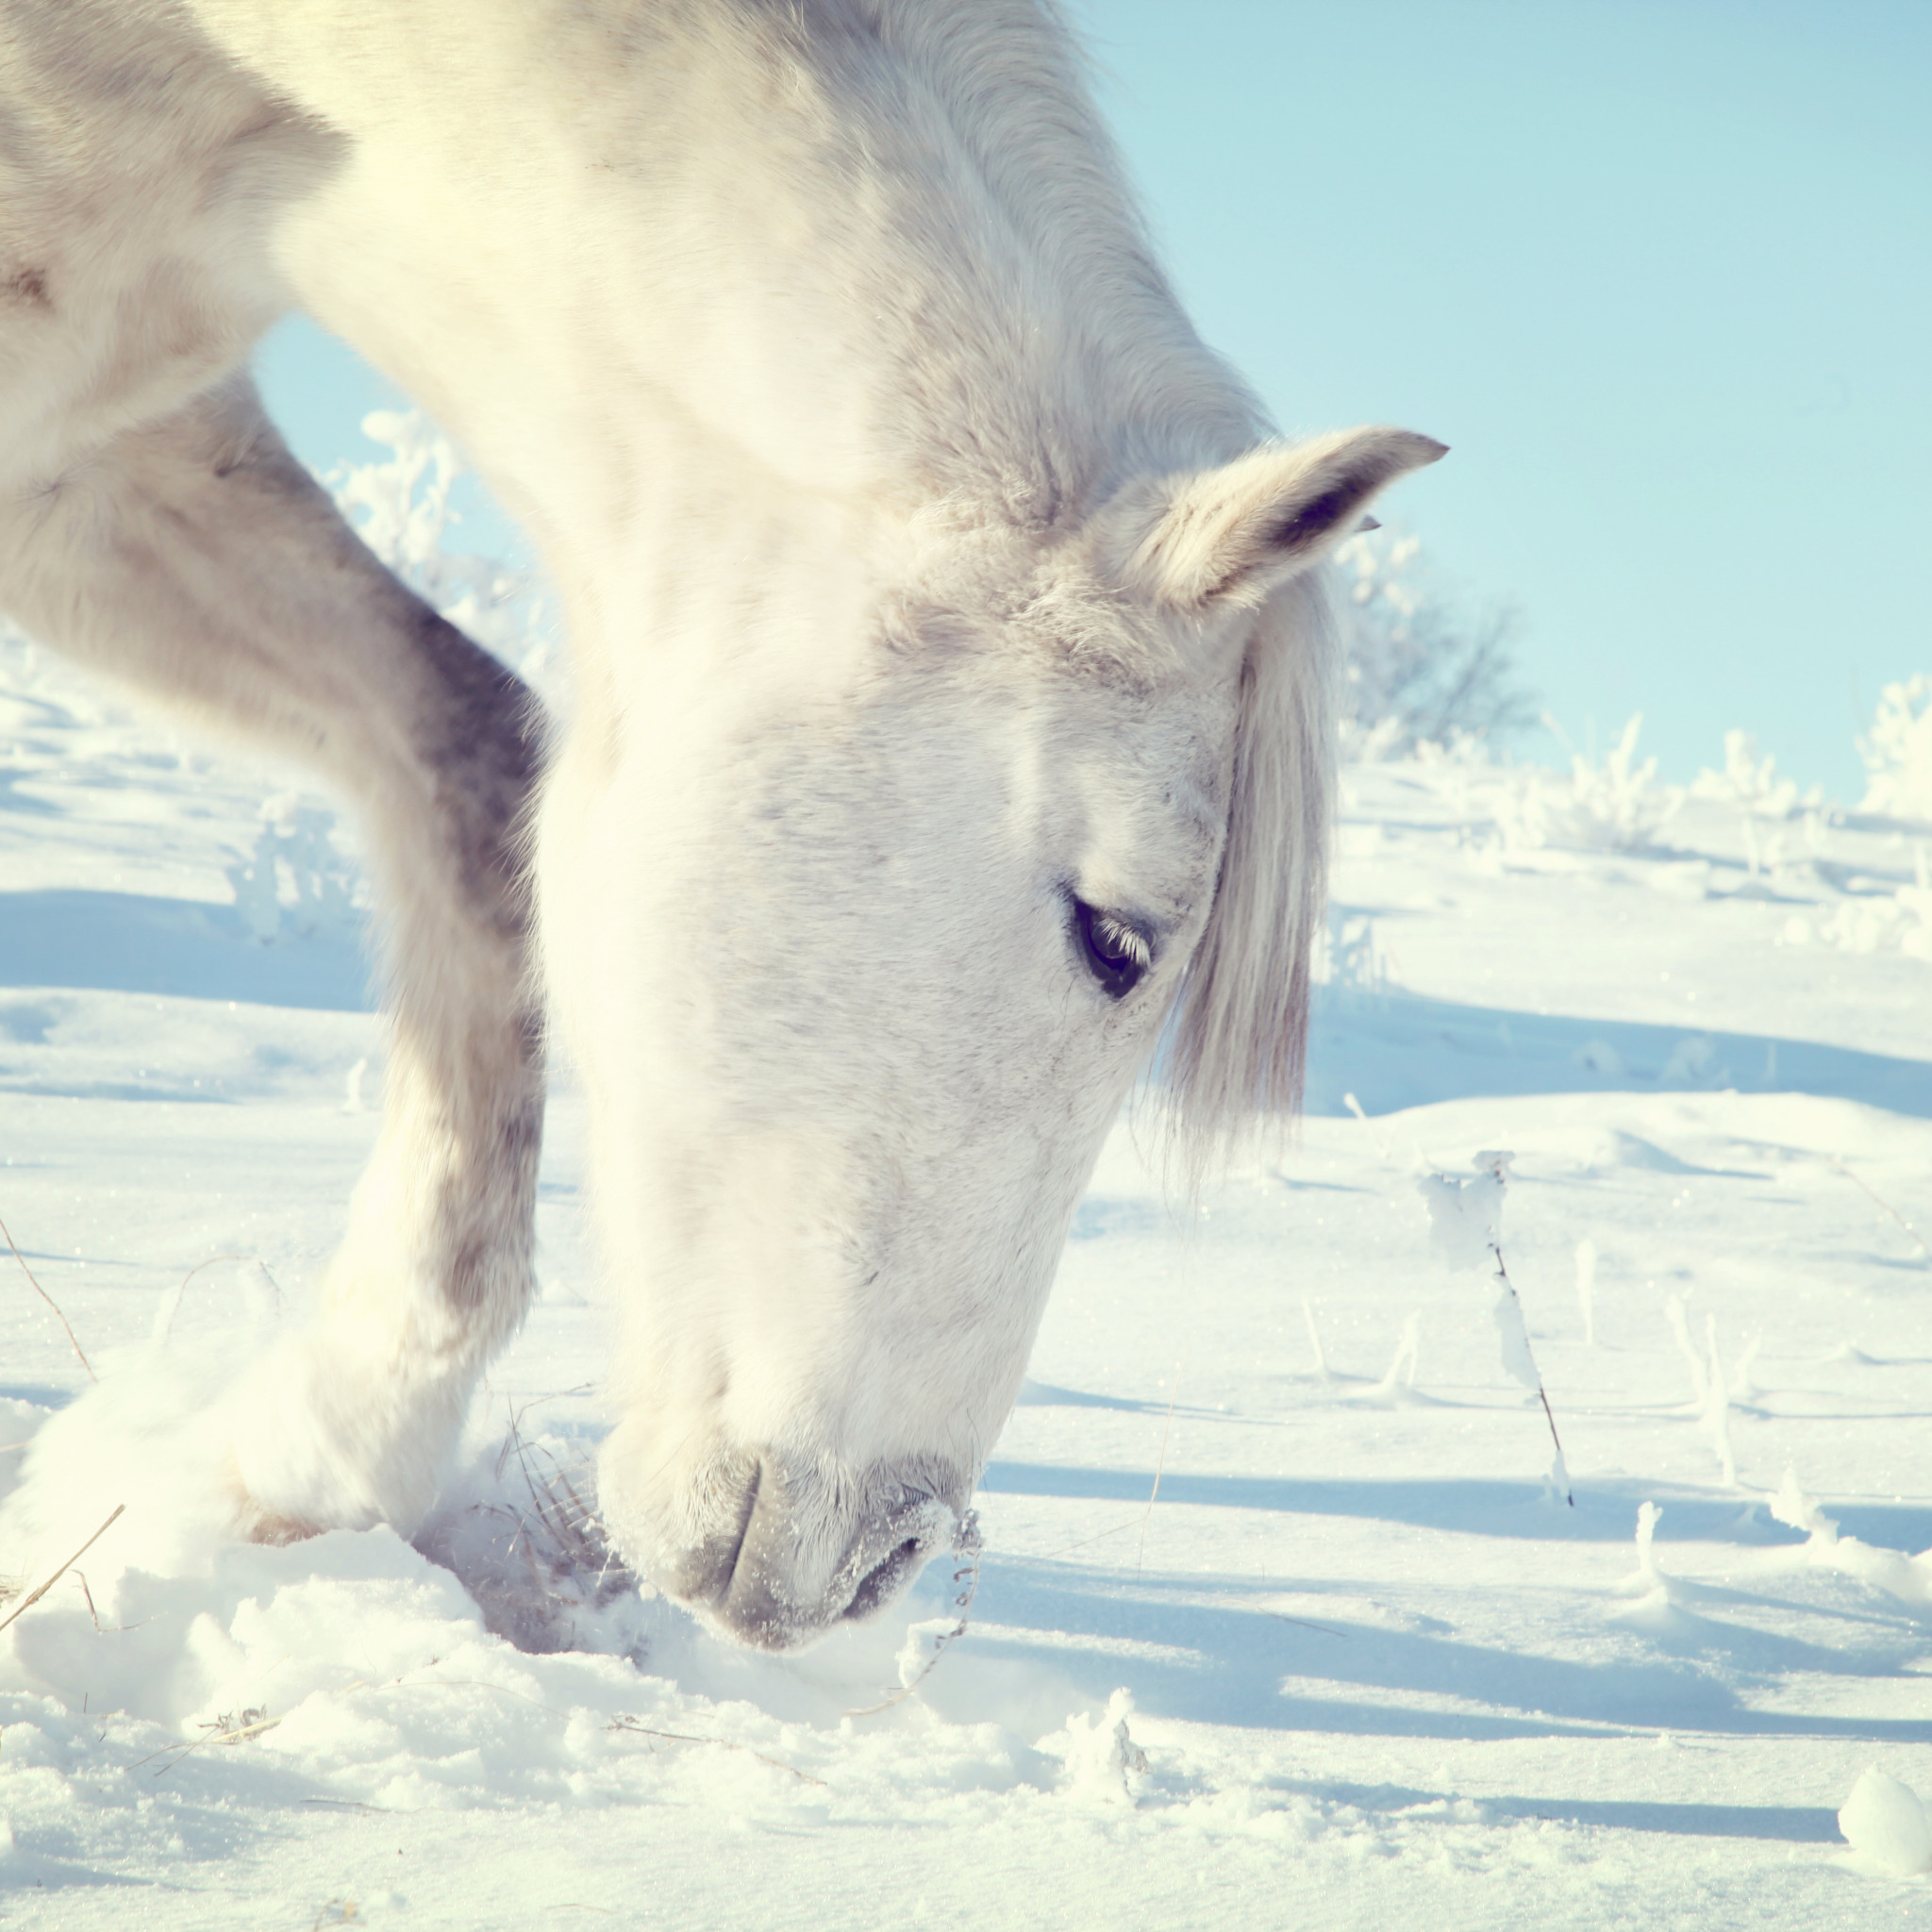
pixel 1661 275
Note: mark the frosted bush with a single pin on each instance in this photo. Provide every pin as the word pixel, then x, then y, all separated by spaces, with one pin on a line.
pixel 297 879
pixel 1370 745
pixel 1898 751
pixel 1417 669
pixel 1347 957
pixel 1751 782
pixel 401 508
pixel 1612 805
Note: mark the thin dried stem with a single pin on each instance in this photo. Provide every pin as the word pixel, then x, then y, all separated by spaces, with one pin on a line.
pixel 636 1729
pixel 1160 1465
pixel 967 1544
pixel 1140 1522
pixel 74 1340
pixel 1918 1241
pixel 1510 1289
pixel 27 1604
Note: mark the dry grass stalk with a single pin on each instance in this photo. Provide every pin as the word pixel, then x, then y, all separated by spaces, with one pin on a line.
pixel 534 1562
pixel 574 1529
pixel 1140 1522
pixel 967 1545
pixel 227 1729
pixel 27 1603
pixel 73 1340
pixel 1918 1241
pixel 622 1722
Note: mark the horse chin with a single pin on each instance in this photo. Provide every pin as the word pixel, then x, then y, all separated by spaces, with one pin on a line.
pixel 774 1556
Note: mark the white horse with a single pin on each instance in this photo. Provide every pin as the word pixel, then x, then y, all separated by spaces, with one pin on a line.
pixel 954 691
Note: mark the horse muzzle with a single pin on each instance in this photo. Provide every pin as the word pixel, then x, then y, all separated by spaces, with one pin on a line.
pixel 806 1554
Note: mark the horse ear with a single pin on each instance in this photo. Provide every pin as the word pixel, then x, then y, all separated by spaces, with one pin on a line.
pixel 1229 536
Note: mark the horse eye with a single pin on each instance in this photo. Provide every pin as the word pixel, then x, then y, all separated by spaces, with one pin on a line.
pixel 1116 954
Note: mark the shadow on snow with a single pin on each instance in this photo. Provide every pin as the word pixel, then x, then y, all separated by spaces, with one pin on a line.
pixel 127 942
pixel 1395 1051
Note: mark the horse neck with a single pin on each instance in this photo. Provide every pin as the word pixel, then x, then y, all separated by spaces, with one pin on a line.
pixel 653 264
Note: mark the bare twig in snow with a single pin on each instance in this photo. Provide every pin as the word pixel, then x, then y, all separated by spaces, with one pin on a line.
pixel 1140 1522
pixel 1918 1241
pixel 1465 1224
pixel 631 1725
pixel 73 1340
pixel 1161 1463
pixel 27 1603
pixel 967 1545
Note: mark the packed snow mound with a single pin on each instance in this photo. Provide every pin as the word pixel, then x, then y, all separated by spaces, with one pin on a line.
pixel 1886 1824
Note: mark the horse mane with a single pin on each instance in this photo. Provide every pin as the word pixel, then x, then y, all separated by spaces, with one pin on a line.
pixel 1236 1042
pixel 1014 76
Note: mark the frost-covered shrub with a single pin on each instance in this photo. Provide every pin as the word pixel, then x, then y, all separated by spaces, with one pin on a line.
pixel 1347 959
pixel 1898 751
pixel 1612 805
pixel 401 508
pixel 297 879
pixel 1751 782
pixel 1417 668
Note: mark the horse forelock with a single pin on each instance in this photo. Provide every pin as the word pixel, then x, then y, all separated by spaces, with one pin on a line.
pixel 1238 1038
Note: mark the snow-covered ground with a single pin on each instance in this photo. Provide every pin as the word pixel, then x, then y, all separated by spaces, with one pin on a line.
pixel 1269 1478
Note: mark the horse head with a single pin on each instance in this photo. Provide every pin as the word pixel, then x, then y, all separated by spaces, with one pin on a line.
pixel 859 945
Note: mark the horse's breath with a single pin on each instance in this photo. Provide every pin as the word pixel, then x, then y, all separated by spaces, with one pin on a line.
pixel 954 698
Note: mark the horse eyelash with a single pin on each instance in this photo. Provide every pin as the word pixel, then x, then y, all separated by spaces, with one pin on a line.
pixel 1130 939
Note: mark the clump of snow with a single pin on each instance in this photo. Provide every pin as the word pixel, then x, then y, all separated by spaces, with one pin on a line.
pixel 1680 1334
pixel 1886 1824
pixel 1466 1229
pixel 1648 1576
pixel 1908 1578
pixel 1876 916
pixel 1585 1288
pixel 1796 1511
pixel 1400 1379
pixel 1653 1607
pixel 1101 1758
pixel 149 1441
pixel 1322 1370
pixel 1466 1216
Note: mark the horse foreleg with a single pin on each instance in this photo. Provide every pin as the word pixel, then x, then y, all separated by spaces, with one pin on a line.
pixel 197 560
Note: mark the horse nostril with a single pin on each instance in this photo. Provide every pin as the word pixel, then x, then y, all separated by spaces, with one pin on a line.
pixel 882 1583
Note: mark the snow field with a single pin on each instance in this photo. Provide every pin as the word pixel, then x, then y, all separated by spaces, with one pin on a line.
pixel 1377 1672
